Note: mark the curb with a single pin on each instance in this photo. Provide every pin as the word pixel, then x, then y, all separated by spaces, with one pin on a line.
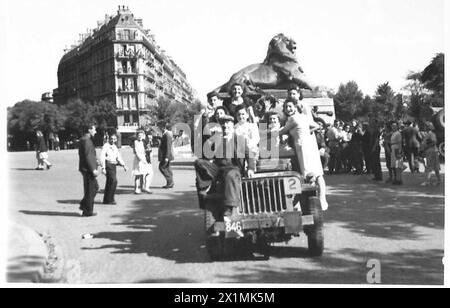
pixel 33 257
pixel 53 271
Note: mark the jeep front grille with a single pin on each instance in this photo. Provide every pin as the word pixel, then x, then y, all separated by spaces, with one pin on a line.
pixel 262 196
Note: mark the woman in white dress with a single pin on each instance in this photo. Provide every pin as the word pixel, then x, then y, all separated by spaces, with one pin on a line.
pixel 301 128
pixel 140 165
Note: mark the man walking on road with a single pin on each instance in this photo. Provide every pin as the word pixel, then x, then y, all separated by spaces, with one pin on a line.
pixel 88 169
pixel 109 160
pixel 165 154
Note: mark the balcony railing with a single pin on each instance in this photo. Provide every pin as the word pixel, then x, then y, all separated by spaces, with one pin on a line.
pixel 129 54
pixel 128 71
pixel 128 90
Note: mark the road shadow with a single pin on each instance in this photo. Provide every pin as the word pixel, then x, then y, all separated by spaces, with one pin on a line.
pixel 24 269
pixel 349 266
pixel 74 201
pixel 384 210
pixel 161 228
pixel 49 213
pixel 25 169
pixel 168 280
pixel 119 191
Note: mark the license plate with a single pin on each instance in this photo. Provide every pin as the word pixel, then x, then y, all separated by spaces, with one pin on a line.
pixel 233 229
pixel 292 186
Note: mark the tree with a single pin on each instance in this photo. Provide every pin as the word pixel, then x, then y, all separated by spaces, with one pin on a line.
pixel 432 78
pixel 417 98
pixel 160 110
pixel 78 114
pixel 104 113
pixel 365 107
pixel 26 117
pixel 347 100
pixel 386 104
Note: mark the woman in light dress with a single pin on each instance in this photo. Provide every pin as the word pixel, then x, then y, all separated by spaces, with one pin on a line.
pixel 141 168
pixel 300 127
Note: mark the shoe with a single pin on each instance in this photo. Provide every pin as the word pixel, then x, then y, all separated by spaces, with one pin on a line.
pixel 49 166
pixel 137 191
pixel 110 203
pixel 148 191
pixel 89 214
pixel 38 168
pixel 168 186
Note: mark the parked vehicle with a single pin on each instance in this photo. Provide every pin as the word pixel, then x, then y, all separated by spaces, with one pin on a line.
pixel 439 125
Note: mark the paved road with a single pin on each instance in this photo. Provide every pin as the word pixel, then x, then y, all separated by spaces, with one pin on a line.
pixel 159 238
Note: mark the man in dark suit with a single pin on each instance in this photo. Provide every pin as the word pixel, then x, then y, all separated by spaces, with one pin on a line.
pixel 165 154
pixel 88 169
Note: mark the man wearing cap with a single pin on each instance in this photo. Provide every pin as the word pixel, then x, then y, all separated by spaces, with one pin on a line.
pixel 222 170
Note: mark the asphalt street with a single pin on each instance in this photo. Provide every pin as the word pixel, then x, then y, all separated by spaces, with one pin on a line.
pixel 159 238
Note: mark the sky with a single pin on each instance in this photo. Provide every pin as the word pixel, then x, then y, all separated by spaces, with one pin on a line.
pixel 368 41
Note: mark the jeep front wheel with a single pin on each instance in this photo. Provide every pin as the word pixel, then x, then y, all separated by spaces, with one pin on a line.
pixel 315 232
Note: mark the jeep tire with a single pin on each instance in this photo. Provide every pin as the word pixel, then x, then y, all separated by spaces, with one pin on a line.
pixel 315 232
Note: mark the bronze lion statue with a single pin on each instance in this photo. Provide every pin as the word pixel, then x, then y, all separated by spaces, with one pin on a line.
pixel 279 69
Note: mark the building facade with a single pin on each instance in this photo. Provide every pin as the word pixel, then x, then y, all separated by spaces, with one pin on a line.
pixel 120 61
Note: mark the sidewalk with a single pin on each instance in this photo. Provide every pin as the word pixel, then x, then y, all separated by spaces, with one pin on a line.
pixel 27 255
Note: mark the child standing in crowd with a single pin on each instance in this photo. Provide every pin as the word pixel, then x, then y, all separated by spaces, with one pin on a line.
pixel 432 155
pixel 300 128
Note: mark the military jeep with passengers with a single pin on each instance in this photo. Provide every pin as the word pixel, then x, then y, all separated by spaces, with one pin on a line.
pixel 277 204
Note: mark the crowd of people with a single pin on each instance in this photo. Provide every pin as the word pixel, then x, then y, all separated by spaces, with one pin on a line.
pixel 356 147
pixel 110 158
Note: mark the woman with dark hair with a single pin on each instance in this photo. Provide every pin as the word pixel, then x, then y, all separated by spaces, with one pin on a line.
pixel 301 128
pixel 238 98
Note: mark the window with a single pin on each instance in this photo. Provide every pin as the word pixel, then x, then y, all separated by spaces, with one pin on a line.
pixel 126 118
